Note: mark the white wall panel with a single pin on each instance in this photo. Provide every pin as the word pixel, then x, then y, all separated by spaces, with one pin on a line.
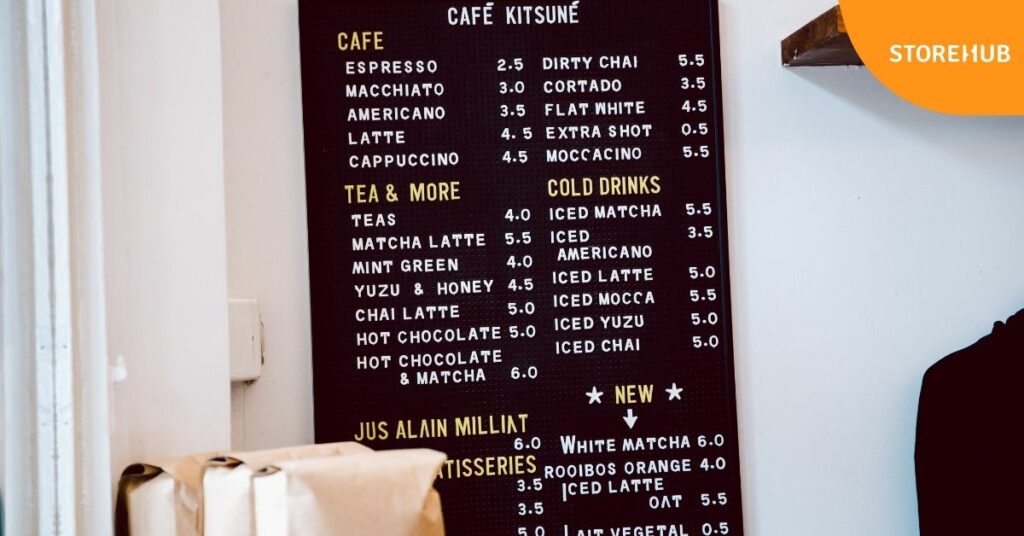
pixel 166 264
pixel 266 213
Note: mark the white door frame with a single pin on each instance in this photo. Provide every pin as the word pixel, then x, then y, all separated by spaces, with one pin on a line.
pixel 56 468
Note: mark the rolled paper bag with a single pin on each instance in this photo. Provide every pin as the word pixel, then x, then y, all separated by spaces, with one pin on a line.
pixel 161 498
pixel 227 483
pixel 385 493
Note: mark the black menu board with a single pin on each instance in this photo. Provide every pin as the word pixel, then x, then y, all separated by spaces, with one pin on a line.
pixel 518 256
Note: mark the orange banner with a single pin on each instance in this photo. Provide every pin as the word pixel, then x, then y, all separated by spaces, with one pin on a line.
pixel 949 56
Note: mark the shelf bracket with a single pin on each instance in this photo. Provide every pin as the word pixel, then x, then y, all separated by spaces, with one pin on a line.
pixel 820 43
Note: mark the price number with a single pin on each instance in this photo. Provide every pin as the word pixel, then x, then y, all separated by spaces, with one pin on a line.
pixel 513 110
pixel 691 60
pixel 534 484
pixel 515 239
pixel 534 509
pixel 514 215
pixel 713 464
pixel 711 529
pixel 700 343
pixel 517 87
pixel 716 499
pixel 526 443
pixel 709 295
pixel 524 373
pixel 696 151
pixel 509 134
pixel 693 82
pixel 699 129
pixel 514 65
pixel 527 308
pixel 695 106
pixel 706 231
pixel 515 157
pixel 699 209
pixel 710 319
pixel 525 332
pixel 524 261
pixel 521 285
pixel 717 440
pixel 707 272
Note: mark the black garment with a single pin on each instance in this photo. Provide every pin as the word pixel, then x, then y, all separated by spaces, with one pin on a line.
pixel 970 429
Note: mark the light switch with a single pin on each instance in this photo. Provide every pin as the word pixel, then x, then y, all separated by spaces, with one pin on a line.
pixel 246 339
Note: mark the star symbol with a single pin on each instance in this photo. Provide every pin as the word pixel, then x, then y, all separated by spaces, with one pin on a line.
pixel 674 392
pixel 595 396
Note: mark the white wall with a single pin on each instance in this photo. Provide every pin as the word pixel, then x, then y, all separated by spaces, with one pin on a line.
pixel 868 239
pixel 266 215
pixel 166 268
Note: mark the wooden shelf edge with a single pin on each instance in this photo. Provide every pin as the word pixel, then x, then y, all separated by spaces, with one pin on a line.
pixel 820 43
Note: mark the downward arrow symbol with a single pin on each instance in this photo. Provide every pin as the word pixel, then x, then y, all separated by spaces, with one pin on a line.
pixel 630 418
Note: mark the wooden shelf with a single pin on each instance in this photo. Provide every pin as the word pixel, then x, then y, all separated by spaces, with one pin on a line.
pixel 821 42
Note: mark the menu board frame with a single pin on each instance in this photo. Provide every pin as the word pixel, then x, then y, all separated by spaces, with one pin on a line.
pixel 360 404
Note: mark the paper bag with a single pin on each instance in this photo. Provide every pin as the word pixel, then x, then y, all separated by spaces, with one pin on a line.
pixel 161 498
pixel 227 483
pixel 387 493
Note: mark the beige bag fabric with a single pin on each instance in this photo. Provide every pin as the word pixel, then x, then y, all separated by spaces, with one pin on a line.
pixel 387 493
pixel 161 498
pixel 227 483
